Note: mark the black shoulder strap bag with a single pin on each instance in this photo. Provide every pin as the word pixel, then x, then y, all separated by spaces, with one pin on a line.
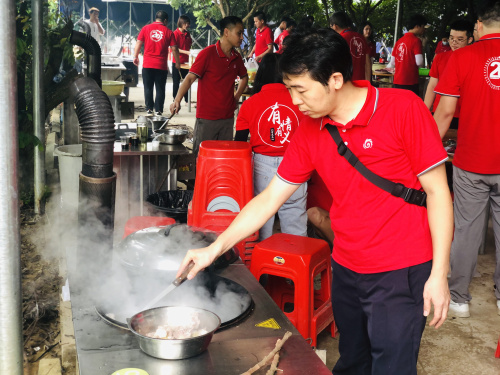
pixel 409 195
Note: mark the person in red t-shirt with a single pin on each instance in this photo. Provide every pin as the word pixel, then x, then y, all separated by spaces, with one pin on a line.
pixel 287 24
pixel 390 257
pixel 156 38
pixel 367 31
pixel 271 119
pixel 407 55
pixel 442 46
pixel 361 62
pixel 263 37
pixel 217 67
pixel 184 43
pixel 473 75
pixel 460 36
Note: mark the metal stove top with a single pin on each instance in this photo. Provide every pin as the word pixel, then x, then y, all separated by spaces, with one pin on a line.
pixel 103 349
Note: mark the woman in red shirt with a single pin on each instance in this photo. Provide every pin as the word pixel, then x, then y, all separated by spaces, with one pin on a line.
pixel 270 117
pixel 184 43
pixel 367 32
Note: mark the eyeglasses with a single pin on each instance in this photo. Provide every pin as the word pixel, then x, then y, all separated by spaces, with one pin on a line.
pixel 458 40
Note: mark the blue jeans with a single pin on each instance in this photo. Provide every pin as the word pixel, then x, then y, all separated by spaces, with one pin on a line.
pixel 293 216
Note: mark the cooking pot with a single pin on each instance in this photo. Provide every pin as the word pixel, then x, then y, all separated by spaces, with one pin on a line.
pixel 201 323
pixel 171 136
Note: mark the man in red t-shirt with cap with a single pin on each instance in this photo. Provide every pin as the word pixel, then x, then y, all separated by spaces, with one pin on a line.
pixel 156 38
pixel 473 76
pixel 263 37
pixel 361 62
pixel 407 55
pixel 390 258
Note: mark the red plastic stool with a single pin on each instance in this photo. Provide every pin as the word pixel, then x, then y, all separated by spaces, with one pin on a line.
pixel 223 170
pixel 140 222
pixel 286 256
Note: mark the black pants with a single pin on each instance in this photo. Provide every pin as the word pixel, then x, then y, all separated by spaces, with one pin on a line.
pixel 380 319
pixel 414 88
pixel 176 78
pixel 154 78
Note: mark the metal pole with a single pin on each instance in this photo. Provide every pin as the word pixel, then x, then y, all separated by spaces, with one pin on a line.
pixel 396 30
pixel 11 339
pixel 38 105
pixel 107 26
pixel 129 21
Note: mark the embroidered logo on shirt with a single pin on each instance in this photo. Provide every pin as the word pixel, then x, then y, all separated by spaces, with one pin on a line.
pixel 368 143
pixel 156 35
pixel 276 124
pixel 401 52
pixel 356 47
pixel 492 72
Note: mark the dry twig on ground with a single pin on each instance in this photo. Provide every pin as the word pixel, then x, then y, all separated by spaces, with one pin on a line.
pixel 276 349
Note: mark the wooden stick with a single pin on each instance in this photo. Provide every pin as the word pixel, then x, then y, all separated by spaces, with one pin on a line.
pixel 274 365
pixel 276 349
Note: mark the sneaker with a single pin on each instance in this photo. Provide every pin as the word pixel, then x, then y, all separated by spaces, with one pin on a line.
pixel 149 111
pixel 459 310
pixel 498 306
pixel 159 113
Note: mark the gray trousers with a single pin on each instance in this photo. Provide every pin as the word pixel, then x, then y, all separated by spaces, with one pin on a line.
pixel 474 195
pixel 212 130
pixel 293 216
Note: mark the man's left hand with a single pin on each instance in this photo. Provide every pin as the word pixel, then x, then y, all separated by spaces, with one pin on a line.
pixel 437 293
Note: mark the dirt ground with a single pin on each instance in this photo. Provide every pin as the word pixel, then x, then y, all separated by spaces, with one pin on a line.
pixel 40 287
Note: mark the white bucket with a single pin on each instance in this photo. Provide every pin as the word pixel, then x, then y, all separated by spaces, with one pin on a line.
pixel 70 166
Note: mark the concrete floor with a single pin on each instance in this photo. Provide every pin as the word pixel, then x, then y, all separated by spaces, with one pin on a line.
pixel 461 345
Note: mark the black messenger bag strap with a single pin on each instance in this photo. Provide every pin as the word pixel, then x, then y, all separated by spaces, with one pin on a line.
pixel 409 195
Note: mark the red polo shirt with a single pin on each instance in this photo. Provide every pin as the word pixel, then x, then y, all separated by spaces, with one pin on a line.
pixel 372 48
pixel 437 69
pixel 473 75
pixel 157 38
pixel 263 38
pixel 279 40
pixel 217 73
pixel 395 136
pixel 440 48
pixel 184 42
pixel 359 50
pixel 405 50
pixel 272 119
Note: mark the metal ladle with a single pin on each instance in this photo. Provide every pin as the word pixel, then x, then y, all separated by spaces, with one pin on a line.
pixel 166 121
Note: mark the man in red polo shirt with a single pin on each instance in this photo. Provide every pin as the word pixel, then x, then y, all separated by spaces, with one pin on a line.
pixel 390 257
pixel 460 36
pixel 361 62
pixel 184 43
pixel 156 38
pixel 287 24
pixel 216 67
pixel 476 165
pixel 263 37
pixel 407 55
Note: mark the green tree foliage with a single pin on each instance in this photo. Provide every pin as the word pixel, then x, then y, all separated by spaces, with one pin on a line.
pixel 56 50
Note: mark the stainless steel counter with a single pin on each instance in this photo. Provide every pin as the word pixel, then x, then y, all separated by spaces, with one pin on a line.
pixel 103 349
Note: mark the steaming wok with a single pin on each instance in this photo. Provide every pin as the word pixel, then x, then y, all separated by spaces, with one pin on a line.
pixel 147 261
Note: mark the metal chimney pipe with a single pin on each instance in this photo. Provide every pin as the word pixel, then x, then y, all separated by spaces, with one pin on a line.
pixel 11 340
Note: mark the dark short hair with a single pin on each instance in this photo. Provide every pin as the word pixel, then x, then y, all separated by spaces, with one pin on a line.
pixel 319 52
pixel 286 20
pixel 463 25
pixel 416 20
pixel 268 72
pixel 183 20
pixel 93 9
pixel 489 12
pixel 291 23
pixel 229 22
pixel 161 15
pixel 341 19
pixel 260 15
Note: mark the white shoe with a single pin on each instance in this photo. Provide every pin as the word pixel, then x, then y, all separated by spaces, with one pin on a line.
pixel 498 306
pixel 460 310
